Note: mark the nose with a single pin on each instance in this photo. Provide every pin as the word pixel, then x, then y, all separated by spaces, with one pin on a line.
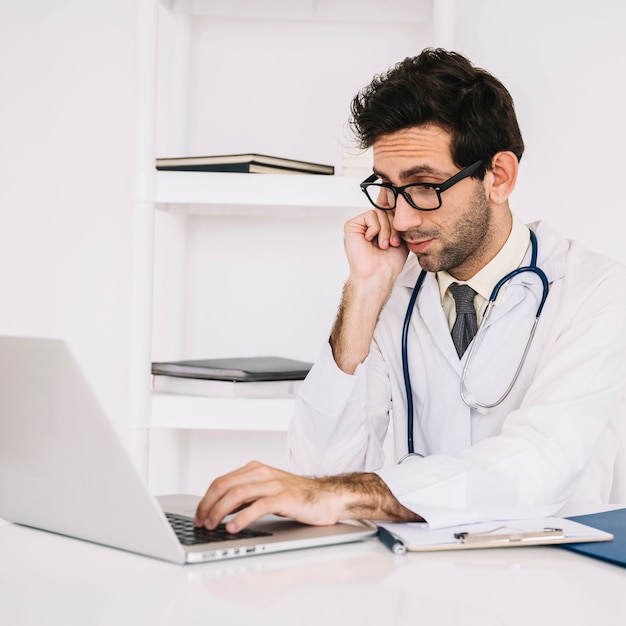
pixel 405 217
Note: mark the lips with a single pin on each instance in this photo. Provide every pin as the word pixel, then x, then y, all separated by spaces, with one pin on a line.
pixel 418 246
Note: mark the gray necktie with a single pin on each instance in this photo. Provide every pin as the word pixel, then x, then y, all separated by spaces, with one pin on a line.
pixel 465 325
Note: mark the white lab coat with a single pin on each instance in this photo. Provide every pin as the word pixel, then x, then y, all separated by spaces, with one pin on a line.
pixel 552 441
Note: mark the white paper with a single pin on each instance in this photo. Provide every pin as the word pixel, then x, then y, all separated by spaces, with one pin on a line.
pixel 418 534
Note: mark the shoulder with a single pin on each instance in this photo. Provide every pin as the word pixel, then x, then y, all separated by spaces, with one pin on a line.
pixel 579 269
pixel 559 253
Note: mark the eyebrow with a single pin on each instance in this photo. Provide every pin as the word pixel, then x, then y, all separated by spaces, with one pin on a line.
pixel 412 171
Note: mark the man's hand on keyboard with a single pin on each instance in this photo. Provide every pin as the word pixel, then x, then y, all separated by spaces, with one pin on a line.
pixel 256 490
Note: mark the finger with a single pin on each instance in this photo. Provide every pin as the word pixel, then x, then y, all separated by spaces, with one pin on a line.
pixel 206 513
pixel 373 226
pixel 395 238
pixel 386 228
pixel 246 516
pixel 241 498
pixel 215 491
pixel 291 498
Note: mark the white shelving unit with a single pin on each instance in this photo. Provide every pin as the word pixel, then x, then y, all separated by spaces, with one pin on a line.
pixel 191 194
pixel 200 413
pixel 265 194
pixel 231 194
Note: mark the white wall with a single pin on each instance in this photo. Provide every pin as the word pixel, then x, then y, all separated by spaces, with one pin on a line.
pixel 66 149
pixel 564 62
pixel 280 86
pixel 283 86
pixel 257 284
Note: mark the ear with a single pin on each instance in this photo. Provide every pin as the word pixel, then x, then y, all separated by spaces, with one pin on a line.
pixel 500 179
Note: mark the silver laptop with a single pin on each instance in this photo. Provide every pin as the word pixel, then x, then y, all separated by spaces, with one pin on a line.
pixel 63 469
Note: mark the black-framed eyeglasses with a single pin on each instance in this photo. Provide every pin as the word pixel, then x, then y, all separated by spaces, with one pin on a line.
pixel 422 196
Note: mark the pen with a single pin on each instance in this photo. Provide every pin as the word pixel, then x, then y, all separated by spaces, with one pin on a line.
pixel 547 534
pixel 391 541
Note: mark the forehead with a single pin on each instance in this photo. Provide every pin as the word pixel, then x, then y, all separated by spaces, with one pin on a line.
pixel 427 145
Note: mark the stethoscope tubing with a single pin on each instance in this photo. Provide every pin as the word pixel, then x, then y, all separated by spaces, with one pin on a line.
pixel 466 395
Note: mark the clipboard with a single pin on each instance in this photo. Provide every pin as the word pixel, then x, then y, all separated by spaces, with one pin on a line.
pixel 418 537
pixel 614 522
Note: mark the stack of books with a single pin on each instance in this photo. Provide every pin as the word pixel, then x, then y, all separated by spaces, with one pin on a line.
pixel 240 377
pixel 252 163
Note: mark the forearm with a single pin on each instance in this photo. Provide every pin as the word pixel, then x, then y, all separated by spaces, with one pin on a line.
pixel 376 255
pixel 353 330
pixel 363 496
pixel 256 490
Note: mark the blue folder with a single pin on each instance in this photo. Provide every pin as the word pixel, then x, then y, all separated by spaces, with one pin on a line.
pixel 613 522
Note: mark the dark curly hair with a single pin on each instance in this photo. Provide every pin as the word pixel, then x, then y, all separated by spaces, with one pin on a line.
pixel 442 88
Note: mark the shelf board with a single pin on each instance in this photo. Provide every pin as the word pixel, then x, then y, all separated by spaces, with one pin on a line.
pixel 308 10
pixel 198 191
pixel 203 413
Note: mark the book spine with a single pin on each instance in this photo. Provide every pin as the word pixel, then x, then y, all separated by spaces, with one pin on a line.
pixel 252 167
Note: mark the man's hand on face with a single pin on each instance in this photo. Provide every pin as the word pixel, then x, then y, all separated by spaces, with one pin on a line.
pixel 374 248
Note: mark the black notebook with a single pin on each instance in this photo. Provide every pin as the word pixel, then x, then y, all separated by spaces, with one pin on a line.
pixel 613 522
pixel 254 368
pixel 259 163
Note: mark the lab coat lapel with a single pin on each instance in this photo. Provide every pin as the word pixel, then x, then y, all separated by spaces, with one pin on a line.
pixel 432 315
pixel 552 250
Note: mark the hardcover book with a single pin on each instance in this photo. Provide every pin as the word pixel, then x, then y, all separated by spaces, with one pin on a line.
pixel 254 163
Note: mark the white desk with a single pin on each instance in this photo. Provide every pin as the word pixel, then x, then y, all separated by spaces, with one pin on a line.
pixel 53 580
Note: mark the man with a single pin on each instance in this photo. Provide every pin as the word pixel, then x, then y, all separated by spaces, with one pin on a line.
pixel 446 148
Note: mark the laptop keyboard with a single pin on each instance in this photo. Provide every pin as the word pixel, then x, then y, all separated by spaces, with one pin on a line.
pixel 190 535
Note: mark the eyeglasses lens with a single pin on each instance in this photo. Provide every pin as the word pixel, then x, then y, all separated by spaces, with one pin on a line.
pixel 420 196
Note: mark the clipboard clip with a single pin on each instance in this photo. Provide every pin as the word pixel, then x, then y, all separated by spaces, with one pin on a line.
pixel 512 537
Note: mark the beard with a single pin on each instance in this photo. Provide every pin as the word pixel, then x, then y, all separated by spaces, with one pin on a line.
pixel 462 242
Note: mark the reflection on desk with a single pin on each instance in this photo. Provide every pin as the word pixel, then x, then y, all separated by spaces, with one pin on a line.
pixel 49 579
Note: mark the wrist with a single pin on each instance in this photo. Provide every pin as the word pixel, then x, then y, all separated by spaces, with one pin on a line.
pixel 373 289
pixel 365 496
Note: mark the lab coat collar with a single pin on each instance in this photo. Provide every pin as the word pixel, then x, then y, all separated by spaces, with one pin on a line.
pixel 551 256
pixel 552 250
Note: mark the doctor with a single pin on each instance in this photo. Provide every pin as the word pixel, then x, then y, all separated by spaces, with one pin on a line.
pixel 446 148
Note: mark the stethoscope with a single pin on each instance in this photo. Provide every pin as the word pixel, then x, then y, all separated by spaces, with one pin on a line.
pixel 466 395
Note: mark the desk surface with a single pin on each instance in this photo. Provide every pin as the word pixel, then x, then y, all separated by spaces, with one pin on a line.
pixel 49 579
